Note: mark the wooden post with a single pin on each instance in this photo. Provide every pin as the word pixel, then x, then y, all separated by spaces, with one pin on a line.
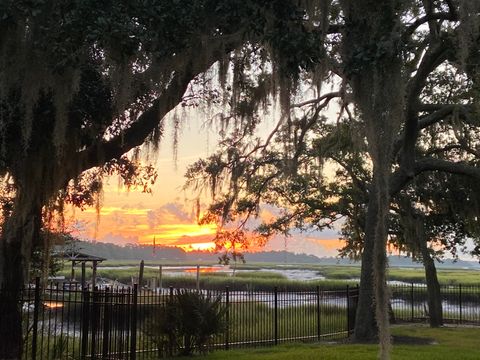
pixel 94 274
pixel 140 275
pixel 198 277
pixel 160 277
pixel 72 276
pixel 83 274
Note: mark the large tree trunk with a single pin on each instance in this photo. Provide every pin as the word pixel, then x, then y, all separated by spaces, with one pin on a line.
pixel 417 237
pixel 374 71
pixel 10 306
pixel 382 301
pixel 365 324
pixel 17 235
pixel 433 288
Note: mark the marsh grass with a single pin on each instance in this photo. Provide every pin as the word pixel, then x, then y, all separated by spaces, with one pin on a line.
pixel 258 279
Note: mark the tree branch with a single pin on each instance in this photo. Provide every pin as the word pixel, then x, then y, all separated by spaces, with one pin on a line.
pixel 327 96
pixel 400 177
pixel 326 100
pixel 432 59
pixel 349 169
pixel 451 16
pixel 436 116
pixel 105 150
pixel 448 148
pixel 459 168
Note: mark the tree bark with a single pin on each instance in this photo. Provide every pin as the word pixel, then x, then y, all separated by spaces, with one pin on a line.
pixel 365 325
pixel 433 288
pixel 418 239
pixel 10 306
pixel 14 257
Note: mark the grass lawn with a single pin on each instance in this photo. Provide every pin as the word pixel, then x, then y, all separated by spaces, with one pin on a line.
pixel 451 343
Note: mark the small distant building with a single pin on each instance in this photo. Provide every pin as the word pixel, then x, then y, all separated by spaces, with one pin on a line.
pixel 76 258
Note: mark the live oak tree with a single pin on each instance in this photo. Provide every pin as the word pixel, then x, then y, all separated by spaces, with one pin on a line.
pixel 82 83
pixel 385 55
pixel 392 58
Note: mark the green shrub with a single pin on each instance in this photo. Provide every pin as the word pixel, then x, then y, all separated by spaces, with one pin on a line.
pixel 187 323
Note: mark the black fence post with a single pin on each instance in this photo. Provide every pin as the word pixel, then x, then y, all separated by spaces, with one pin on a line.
pixel 348 310
pixel 411 300
pixel 170 342
pixel 227 318
pixel 354 314
pixel 460 301
pixel 319 329
pixel 133 324
pixel 36 308
pixel 85 324
pixel 276 315
pixel 106 323
pixel 95 319
pixel 123 344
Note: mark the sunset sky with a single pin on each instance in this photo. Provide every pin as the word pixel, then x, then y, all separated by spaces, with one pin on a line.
pixel 168 213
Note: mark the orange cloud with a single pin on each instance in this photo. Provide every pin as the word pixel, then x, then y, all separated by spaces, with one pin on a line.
pixel 327 244
pixel 169 225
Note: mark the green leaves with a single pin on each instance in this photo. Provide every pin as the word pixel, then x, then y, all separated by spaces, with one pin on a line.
pixel 187 323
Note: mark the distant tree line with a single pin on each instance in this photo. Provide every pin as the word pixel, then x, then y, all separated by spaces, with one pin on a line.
pixel 112 251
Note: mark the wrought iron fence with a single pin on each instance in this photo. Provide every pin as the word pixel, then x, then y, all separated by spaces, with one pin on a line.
pixel 67 322
pixel 63 321
pixel 460 303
